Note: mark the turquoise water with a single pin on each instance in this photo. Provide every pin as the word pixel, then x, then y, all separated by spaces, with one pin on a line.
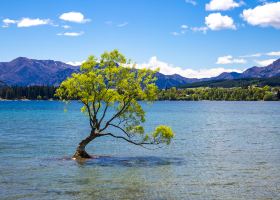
pixel 222 150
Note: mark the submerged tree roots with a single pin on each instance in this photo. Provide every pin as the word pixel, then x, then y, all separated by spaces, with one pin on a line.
pixel 81 155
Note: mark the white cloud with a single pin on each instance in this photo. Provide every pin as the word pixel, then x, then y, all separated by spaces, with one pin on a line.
pixel 251 55
pixel 175 33
pixel 216 21
pixel 193 2
pixel 222 5
pixel 263 15
pixel 122 24
pixel 265 62
pixel 76 17
pixel 75 63
pixel 71 34
pixel 8 21
pixel 169 69
pixel 66 26
pixel 274 53
pixel 230 60
pixel 27 22
pixel 182 31
pixel 202 29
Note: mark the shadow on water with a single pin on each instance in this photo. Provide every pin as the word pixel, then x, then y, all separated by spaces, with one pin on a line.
pixel 139 161
pixel 130 161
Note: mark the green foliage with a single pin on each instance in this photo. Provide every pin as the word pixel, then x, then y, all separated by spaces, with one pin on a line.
pixel 268 96
pixel 225 94
pixel 191 94
pixel 109 84
pixel 30 92
pixel 244 83
pixel 163 134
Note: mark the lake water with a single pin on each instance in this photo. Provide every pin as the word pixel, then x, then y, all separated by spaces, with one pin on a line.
pixel 222 150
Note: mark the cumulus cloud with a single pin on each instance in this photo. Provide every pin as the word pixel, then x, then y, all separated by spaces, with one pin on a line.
pixel 263 15
pixel 7 22
pixel 222 5
pixel 71 34
pixel 170 69
pixel 75 17
pixel 265 62
pixel 230 60
pixel 216 21
pixel 193 2
pixel 183 26
pixel 26 22
pixel 274 53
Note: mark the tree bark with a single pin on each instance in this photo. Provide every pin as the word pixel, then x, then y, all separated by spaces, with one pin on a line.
pixel 81 149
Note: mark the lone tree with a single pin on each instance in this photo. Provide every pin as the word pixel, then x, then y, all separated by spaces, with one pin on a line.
pixel 109 92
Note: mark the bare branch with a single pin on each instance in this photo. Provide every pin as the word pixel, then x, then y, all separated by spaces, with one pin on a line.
pixel 125 106
pixel 104 113
pixel 89 114
pixel 116 126
pixel 132 142
pixel 124 138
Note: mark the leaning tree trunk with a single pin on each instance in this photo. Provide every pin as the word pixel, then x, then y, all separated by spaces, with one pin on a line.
pixel 81 149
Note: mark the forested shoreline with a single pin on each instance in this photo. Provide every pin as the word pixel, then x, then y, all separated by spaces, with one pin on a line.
pixel 29 92
pixel 250 93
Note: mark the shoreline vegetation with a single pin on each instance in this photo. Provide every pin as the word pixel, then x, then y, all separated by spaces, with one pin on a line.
pixel 249 93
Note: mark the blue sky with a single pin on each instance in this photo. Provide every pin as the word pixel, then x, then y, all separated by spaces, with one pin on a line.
pixel 190 37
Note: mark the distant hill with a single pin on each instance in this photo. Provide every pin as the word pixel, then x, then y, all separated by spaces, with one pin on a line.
pixel 25 72
pixel 263 72
pixel 227 76
pixel 271 70
pixel 245 82
pixel 175 80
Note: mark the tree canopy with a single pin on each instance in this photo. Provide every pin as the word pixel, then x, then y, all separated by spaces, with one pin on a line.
pixel 110 91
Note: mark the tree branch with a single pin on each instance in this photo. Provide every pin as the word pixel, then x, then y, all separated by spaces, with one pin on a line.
pixel 128 140
pixel 116 115
pixel 132 142
pixel 116 126
pixel 104 113
pixel 89 114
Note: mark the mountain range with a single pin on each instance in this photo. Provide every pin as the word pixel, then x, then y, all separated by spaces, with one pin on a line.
pixel 271 70
pixel 24 72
